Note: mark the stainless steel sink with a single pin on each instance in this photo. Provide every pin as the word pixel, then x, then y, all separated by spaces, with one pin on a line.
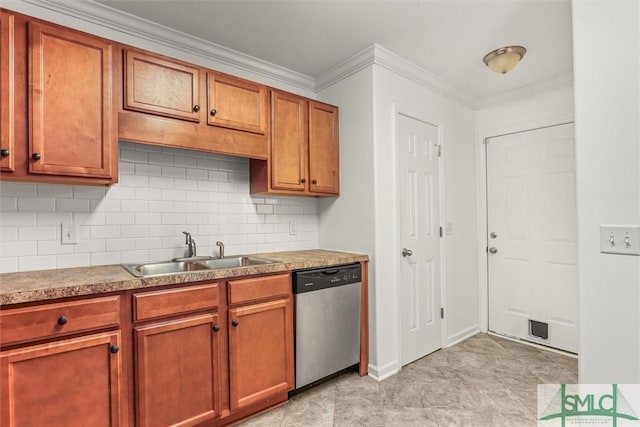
pixel 235 261
pixel 163 268
pixel 153 269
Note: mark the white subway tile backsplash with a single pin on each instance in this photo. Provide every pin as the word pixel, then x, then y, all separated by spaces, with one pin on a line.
pixel 161 192
pixel 8 204
pixel 36 204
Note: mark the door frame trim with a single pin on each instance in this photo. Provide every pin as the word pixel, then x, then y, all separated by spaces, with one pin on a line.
pixel 397 273
pixel 481 191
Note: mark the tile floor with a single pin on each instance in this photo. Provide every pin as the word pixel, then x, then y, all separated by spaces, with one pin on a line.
pixel 482 381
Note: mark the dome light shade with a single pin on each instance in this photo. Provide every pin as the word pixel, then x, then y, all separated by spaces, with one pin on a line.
pixel 504 59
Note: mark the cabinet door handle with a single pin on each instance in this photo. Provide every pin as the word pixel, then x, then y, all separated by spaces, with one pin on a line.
pixel 216 328
pixel 213 112
pixel 196 108
pixel 36 156
pixel 302 180
pixel 315 181
pixel 62 320
pixel 235 323
pixel 4 152
pixel 114 349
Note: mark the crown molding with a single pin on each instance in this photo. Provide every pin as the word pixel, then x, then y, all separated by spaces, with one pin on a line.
pixel 378 55
pixel 127 24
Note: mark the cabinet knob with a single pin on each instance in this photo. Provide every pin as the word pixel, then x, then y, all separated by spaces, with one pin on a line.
pixel 213 112
pixel 235 323
pixel 216 328
pixel 302 180
pixel 36 156
pixel 114 349
pixel 196 108
pixel 315 181
pixel 62 320
pixel 4 152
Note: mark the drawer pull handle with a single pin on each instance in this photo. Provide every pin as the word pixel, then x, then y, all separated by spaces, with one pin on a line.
pixel 4 152
pixel 216 328
pixel 62 320
pixel 114 349
pixel 235 323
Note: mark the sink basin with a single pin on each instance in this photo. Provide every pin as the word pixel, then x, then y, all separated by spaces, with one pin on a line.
pixel 162 268
pixel 235 261
pixel 153 269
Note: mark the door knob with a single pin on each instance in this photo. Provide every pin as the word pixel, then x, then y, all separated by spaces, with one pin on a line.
pixel 493 250
pixel 493 234
pixel 406 252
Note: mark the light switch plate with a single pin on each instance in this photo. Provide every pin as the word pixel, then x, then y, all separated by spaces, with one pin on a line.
pixel 69 233
pixel 620 239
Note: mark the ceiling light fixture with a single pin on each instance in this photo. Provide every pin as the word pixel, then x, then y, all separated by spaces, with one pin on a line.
pixel 504 59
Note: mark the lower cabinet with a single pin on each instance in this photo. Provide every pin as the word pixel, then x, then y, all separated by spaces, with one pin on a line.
pixel 260 351
pixel 177 371
pixel 72 382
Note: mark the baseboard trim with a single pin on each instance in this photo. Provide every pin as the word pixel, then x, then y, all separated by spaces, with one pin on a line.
pixel 462 335
pixel 538 346
pixel 384 371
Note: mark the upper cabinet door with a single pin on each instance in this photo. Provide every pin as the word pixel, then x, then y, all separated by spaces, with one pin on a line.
pixel 236 103
pixel 289 141
pixel 72 117
pixel 324 161
pixel 161 86
pixel 7 76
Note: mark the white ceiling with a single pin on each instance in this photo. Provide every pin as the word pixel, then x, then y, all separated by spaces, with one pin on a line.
pixel 447 38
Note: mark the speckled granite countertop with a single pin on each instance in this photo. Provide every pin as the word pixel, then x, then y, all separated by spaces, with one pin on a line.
pixel 69 282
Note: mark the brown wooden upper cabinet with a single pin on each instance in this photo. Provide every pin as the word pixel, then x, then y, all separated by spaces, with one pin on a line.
pixel 304 157
pixel 158 85
pixel 7 94
pixel 58 115
pixel 236 103
pixel 72 111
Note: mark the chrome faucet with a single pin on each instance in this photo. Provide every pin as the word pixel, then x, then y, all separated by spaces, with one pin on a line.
pixel 220 246
pixel 191 244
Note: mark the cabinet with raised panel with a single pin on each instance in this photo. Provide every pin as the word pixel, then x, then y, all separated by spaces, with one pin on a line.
pixel 303 158
pixel 58 112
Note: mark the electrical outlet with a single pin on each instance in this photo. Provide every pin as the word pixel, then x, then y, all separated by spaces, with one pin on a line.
pixel 69 235
pixel 292 227
pixel 620 239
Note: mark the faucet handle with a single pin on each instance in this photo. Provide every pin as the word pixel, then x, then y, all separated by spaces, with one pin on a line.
pixel 187 236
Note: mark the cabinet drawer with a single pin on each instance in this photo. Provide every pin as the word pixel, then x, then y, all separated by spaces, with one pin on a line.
pixel 150 305
pixel 257 288
pixel 50 320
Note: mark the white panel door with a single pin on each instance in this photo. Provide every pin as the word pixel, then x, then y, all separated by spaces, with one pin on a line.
pixel 420 239
pixel 531 213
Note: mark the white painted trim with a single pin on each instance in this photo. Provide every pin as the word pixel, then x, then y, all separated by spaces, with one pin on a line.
pixel 538 346
pixel 376 54
pixel 483 283
pixel 127 24
pixel 462 335
pixel 385 371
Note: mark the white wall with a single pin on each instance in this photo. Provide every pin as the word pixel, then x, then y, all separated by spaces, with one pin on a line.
pixel 543 109
pixel 369 100
pixel 162 192
pixel 606 38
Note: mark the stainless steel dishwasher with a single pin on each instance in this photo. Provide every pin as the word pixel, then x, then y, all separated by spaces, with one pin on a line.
pixel 327 338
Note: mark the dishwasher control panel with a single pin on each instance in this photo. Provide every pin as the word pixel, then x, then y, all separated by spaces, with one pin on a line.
pixel 322 278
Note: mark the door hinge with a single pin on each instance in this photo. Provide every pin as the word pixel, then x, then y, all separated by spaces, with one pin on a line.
pixel 440 231
pixel 442 312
